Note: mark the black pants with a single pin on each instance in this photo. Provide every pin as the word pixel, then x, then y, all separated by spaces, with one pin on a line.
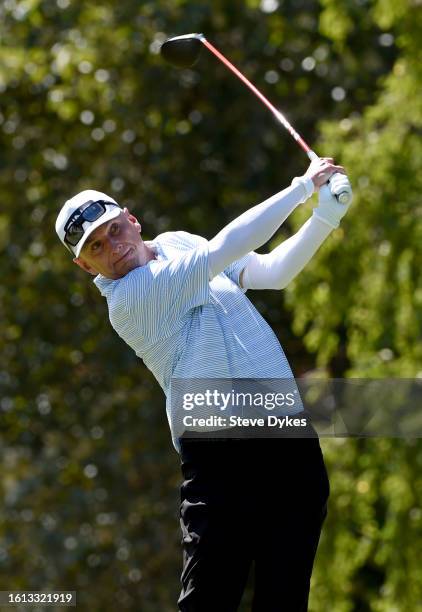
pixel 244 501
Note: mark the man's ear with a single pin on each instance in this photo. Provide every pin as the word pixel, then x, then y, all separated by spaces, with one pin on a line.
pixel 82 264
pixel 133 219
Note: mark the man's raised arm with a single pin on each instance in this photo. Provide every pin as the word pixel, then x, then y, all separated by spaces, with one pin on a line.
pixel 276 269
pixel 255 227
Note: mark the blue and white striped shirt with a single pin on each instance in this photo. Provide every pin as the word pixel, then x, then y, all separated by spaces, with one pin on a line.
pixel 183 325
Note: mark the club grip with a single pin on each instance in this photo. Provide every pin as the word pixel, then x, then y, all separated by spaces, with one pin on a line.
pixel 345 196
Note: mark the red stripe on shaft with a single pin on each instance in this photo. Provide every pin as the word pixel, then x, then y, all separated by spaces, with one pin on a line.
pixel 278 115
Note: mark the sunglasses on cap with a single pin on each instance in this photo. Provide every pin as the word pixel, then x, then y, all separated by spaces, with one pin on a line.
pixel 90 211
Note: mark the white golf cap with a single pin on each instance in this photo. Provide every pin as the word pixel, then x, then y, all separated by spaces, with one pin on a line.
pixel 106 208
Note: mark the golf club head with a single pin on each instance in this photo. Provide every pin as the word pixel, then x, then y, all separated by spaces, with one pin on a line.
pixel 182 51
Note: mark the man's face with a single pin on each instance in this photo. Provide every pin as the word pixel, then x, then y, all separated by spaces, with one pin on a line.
pixel 115 248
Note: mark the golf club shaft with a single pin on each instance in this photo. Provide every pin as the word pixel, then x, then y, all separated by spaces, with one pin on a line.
pixel 343 197
pixel 277 114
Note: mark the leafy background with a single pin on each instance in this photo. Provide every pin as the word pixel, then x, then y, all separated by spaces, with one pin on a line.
pixel 89 476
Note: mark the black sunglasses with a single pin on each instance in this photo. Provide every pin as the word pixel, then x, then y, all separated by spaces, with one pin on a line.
pixel 90 211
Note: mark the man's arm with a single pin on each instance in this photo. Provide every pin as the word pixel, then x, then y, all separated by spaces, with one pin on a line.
pixel 276 269
pixel 256 226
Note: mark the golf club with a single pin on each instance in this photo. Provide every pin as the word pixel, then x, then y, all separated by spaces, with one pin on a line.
pixel 183 51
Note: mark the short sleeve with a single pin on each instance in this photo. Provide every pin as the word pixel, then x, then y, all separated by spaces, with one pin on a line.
pixel 234 269
pixel 161 293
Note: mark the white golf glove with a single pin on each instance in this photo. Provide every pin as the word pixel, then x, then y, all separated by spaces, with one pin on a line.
pixel 329 209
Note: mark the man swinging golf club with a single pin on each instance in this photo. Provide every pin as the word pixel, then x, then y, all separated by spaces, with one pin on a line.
pixel 179 301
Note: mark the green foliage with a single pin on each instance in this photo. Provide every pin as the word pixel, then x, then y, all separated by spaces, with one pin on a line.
pixel 369 299
pixel 89 475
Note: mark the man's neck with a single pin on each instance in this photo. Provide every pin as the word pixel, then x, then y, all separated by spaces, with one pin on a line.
pixel 150 251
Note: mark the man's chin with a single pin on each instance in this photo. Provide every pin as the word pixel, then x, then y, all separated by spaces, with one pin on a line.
pixel 125 266
pixel 131 266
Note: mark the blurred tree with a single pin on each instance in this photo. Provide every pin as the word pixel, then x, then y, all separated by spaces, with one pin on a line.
pixel 358 309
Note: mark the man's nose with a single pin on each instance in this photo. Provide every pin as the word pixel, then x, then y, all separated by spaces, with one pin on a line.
pixel 115 244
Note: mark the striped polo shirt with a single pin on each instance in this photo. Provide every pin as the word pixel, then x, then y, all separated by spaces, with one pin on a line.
pixel 182 325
